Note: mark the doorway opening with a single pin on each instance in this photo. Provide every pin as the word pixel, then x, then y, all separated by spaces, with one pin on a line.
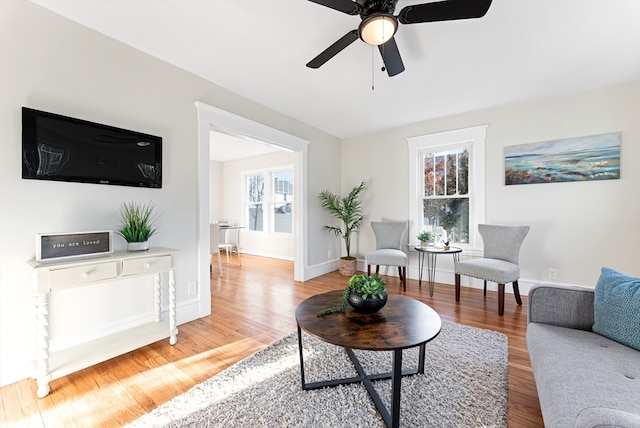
pixel 214 119
pixel 252 187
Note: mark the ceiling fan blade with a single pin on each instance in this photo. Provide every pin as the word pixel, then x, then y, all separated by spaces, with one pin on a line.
pixel 346 6
pixel 334 49
pixel 391 57
pixel 444 11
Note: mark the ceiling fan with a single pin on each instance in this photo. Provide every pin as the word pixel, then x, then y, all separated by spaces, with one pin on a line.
pixel 379 24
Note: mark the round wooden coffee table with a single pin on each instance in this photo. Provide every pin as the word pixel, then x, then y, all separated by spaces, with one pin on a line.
pixel 403 323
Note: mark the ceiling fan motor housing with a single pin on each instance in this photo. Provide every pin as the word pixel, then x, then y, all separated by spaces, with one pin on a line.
pixel 369 7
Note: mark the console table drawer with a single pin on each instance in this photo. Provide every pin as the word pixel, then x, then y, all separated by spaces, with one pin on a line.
pixel 146 265
pixel 72 276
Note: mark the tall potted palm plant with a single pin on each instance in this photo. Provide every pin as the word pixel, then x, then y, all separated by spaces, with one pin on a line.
pixel 348 210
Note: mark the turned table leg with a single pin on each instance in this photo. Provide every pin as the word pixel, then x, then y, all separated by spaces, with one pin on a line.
pixel 42 344
pixel 172 308
pixel 157 298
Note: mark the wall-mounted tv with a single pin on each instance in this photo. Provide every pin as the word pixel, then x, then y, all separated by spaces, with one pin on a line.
pixel 61 148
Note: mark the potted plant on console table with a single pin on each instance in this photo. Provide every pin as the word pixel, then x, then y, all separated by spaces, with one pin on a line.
pixel 137 224
pixel 349 211
pixel 364 293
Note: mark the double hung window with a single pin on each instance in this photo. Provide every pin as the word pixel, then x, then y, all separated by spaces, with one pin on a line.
pixel 447 184
pixel 445 202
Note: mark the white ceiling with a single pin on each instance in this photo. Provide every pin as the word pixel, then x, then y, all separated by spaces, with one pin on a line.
pixel 521 50
pixel 225 147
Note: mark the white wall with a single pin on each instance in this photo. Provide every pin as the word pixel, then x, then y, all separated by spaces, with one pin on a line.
pixel 216 187
pixel 51 63
pixel 575 227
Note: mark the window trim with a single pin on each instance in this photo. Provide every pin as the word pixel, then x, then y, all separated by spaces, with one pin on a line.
pixel 474 136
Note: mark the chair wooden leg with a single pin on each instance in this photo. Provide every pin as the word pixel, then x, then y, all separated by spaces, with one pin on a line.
pixel 516 292
pixel 457 287
pixel 404 278
pixel 500 299
pixel 485 288
pixel 377 269
pixel 368 270
pixel 402 281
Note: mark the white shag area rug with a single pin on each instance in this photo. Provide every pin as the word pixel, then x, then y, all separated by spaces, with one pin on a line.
pixel 464 385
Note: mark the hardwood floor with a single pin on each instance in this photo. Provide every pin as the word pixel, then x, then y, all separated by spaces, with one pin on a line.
pixel 252 306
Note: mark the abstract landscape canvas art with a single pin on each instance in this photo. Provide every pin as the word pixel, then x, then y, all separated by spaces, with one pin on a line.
pixel 595 157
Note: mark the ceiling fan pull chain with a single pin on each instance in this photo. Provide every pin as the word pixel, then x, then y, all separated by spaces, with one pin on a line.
pixel 372 73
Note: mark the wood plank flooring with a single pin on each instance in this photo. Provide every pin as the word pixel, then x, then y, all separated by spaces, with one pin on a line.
pixel 252 306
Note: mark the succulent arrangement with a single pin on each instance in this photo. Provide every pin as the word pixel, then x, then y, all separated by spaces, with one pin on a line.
pixel 370 287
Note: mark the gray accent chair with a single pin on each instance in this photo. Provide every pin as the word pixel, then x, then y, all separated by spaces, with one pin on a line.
pixel 500 261
pixel 388 252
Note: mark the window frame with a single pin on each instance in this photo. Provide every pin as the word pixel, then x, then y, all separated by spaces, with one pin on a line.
pixel 474 138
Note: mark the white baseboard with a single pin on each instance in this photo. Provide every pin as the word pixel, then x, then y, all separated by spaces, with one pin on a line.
pixel 186 311
pixel 259 254
pixel 321 269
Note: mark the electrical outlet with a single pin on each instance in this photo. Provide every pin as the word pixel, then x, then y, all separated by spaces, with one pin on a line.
pixel 553 273
pixel 192 288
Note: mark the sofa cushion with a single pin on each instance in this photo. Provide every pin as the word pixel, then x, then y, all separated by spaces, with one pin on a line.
pixel 577 369
pixel 616 307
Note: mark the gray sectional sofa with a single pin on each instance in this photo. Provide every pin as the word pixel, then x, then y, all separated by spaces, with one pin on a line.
pixel 583 379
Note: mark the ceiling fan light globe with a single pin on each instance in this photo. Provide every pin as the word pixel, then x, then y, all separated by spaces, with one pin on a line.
pixel 378 28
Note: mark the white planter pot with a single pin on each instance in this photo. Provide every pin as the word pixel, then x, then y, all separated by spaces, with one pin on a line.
pixel 138 246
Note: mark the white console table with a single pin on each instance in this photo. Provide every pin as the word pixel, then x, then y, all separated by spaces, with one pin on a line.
pixel 57 275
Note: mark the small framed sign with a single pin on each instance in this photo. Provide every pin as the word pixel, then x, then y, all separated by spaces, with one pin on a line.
pixel 56 246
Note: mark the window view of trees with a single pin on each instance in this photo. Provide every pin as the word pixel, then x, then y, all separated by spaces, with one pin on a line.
pixel 446 193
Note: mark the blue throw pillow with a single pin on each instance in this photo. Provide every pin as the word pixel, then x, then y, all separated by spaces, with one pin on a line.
pixel 616 307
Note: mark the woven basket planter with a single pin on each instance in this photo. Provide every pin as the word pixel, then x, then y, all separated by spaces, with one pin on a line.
pixel 348 267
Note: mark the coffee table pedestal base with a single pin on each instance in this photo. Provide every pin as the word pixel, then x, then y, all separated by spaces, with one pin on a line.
pixel 391 417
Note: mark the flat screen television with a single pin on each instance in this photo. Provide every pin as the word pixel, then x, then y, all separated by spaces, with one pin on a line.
pixel 61 148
